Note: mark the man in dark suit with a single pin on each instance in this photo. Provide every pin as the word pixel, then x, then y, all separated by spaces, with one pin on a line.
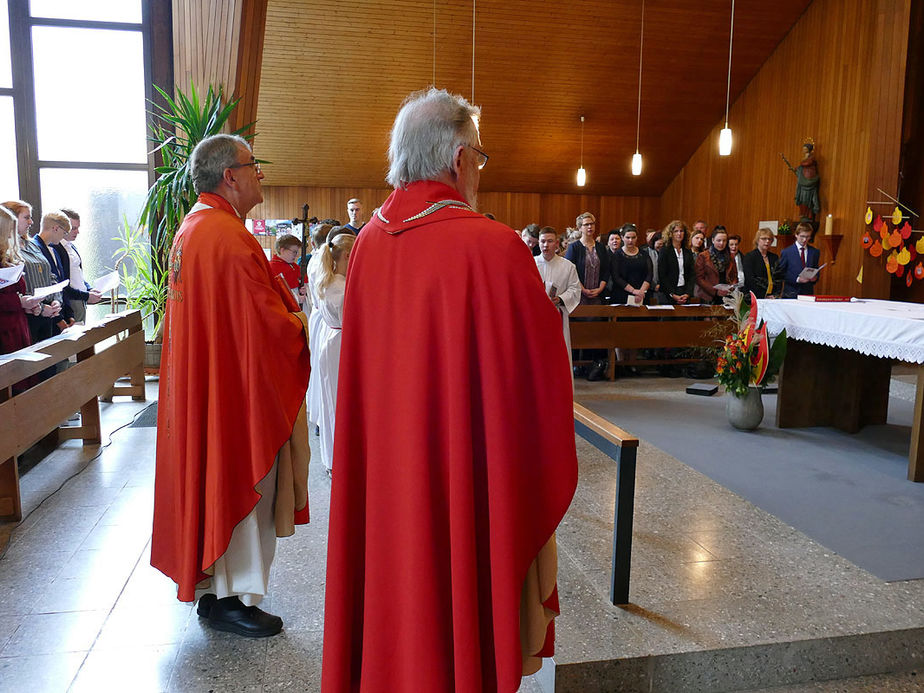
pixel 794 259
pixel 78 293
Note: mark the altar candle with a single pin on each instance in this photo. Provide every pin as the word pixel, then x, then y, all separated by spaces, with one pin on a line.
pixel 828 221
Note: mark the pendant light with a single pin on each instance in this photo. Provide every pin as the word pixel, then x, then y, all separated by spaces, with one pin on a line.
pixel 581 173
pixel 637 158
pixel 725 136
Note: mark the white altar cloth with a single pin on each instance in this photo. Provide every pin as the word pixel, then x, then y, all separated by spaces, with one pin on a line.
pixel 887 329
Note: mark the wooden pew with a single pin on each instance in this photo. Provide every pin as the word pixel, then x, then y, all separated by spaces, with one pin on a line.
pixel 29 416
pixel 627 327
pixel 622 447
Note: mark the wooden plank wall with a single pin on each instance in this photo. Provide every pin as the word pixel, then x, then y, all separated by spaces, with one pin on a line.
pixel 515 209
pixel 205 44
pixel 837 77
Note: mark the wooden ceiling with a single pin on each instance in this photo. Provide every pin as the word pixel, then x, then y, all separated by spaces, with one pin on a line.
pixel 335 72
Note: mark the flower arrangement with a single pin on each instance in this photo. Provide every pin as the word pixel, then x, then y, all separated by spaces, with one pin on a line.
pixel 746 358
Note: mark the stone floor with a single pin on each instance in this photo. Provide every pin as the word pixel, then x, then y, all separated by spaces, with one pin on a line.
pixel 718 588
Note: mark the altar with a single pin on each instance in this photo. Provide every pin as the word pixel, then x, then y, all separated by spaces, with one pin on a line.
pixel 839 362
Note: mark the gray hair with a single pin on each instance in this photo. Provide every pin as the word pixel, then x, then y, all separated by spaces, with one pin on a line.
pixel 211 157
pixel 427 130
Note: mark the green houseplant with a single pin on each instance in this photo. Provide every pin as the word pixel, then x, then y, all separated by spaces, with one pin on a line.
pixel 747 361
pixel 177 126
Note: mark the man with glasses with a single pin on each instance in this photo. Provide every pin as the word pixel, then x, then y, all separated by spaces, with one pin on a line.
pixel 232 455
pixel 446 493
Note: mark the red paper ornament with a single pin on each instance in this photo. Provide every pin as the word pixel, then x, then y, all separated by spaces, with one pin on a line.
pixel 877 224
pixel 908 279
pixel 919 271
pixel 875 249
pixel 900 271
pixel 895 240
pixel 906 230
pixel 867 240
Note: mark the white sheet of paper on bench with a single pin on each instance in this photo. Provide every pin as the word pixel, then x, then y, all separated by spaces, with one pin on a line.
pixel 668 307
pixel 29 356
pixel 43 291
pixel 10 275
pixel 74 332
pixel 107 282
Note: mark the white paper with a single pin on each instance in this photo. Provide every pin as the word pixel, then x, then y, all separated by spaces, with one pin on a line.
pixel 74 332
pixel 10 275
pixel 809 273
pixel 723 287
pixel 30 356
pixel 43 291
pixel 661 307
pixel 107 282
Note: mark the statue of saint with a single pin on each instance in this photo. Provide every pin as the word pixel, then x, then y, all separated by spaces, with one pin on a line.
pixel 807 183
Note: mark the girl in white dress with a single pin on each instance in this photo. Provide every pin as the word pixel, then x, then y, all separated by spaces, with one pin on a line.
pixel 318 239
pixel 329 285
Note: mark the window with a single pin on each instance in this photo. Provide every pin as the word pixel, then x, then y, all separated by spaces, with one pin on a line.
pixel 6 68
pixel 9 176
pixel 98 10
pixel 89 95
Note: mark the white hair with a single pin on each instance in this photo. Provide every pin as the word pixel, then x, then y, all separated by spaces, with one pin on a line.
pixel 429 127
pixel 211 157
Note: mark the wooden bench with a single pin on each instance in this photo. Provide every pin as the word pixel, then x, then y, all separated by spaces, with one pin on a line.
pixel 627 327
pixel 622 448
pixel 29 416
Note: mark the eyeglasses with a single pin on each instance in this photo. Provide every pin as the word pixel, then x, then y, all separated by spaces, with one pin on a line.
pixel 254 163
pixel 483 158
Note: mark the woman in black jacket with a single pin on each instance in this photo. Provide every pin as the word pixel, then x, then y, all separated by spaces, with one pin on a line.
pixel 676 266
pixel 760 272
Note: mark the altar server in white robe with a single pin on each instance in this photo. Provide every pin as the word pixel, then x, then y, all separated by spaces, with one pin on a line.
pixel 318 239
pixel 560 278
pixel 331 283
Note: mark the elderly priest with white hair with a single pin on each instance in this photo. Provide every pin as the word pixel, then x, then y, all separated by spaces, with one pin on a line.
pixel 441 572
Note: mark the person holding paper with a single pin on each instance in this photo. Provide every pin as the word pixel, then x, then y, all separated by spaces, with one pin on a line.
pixel 78 294
pixel 795 259
pixel 560 279
pixel 14 329
pixel 716 272
pixel 38 275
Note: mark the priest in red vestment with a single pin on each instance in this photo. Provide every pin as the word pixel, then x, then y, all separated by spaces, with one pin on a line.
pixel 441 571
pixel 232 453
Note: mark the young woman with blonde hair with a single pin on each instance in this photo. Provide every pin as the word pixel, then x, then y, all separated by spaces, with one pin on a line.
pixel 329 286
pixel 14 328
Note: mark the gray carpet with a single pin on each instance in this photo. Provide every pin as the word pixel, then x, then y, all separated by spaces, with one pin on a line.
pixel 847 492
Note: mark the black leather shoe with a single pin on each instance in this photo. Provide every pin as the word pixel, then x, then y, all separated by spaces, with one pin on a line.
pixel 598 372
pixel 230 615
pixel 206 602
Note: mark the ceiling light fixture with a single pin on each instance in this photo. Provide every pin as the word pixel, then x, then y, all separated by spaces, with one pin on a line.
pixel 637 158
pixel 725 136
pixel 581 173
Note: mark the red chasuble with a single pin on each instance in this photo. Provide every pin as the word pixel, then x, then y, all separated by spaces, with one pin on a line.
pixel 454 458
pixel 234 371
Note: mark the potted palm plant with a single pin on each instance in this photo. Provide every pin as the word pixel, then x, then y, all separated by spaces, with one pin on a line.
pixel 177 126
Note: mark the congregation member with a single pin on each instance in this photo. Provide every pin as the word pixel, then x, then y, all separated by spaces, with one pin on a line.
pixel 632 270
pixel 654 241
pixel 734 249
pixel 698 242
pixel 441 573
pixel 796 258
pixel 14 301
pixel 78 294
pixel 592 261
pixel 614 240
pixel 355 213
pixel 560 278
pixel 715 267
pixel 39 273
pixel 700 226
pixel 285 262
pixel 232 438
pixel 329 286
pixel 676 265
pixel 530 236
pixel 760 267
